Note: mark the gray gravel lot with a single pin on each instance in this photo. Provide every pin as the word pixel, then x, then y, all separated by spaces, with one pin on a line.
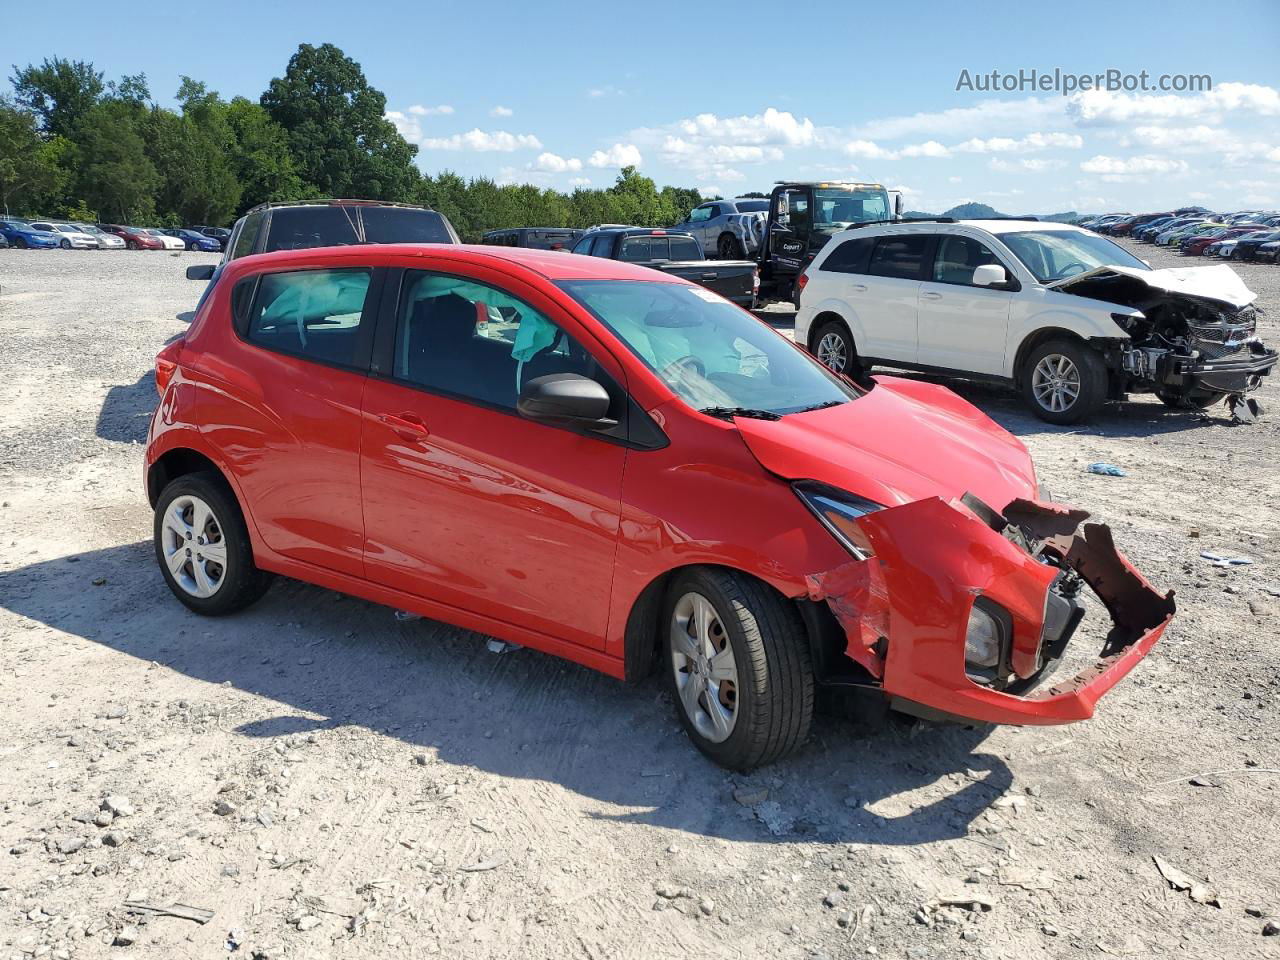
pixel 332 783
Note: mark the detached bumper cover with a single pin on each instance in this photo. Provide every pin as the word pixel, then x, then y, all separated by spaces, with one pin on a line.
pixel 1238 373
pixel 905 611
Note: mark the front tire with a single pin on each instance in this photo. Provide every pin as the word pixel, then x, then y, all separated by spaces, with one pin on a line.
pixel 65 244
pixel 730 247
pixel 203 548
pixel 833 346
pixel 1064 381
pixel 20 243
pixel 737 667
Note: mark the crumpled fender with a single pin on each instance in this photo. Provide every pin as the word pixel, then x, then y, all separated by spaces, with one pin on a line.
pixel 933 558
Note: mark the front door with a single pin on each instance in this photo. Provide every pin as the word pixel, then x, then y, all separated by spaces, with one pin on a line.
pixel 789 232
pixel 962 326
pixel 466 502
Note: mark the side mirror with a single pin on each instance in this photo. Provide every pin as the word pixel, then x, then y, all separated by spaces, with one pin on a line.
pixel 899 205
pixel 990 275
pixel 201 271
pixel 567 399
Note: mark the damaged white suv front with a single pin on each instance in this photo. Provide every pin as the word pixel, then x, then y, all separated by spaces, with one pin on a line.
pixel 1192 334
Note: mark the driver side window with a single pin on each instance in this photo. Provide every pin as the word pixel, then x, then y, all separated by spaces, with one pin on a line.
pixel 477 342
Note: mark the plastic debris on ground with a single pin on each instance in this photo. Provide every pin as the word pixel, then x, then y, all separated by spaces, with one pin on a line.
pixel 1106 470
pixel 1222 560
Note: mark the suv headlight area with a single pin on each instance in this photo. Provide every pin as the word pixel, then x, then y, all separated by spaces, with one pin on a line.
pixel 838 511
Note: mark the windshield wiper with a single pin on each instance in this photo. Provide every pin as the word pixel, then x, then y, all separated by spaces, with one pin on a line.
pixel 821 406
pixel 729 413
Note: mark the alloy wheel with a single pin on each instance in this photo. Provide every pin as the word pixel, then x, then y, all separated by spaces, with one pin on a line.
pixel 706 674
pixel 832 352
pixel 195 550
pixel 1056 383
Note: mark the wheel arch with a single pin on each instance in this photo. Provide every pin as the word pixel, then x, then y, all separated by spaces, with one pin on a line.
pixel 642 650
pixel 1038 337
pixel 820 319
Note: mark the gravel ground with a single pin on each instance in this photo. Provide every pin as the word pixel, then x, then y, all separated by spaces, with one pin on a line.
pixel 331 782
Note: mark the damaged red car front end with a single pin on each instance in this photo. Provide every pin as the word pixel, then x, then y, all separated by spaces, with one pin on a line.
pixel 909 607
pixel 952 607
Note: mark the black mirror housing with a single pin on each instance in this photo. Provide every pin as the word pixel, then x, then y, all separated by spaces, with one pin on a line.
pixel 566 398
pixel 201 271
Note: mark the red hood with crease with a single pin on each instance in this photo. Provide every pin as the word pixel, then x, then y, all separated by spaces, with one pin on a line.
pixel 905 440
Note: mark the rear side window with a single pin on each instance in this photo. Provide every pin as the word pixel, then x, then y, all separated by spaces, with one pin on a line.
pixel 314 314
pixel 900 257
pixel 852 256
pixel 248 234
pixel 640 249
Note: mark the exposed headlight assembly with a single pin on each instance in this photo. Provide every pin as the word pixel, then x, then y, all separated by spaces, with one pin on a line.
pixel 986 641
pixel 839 510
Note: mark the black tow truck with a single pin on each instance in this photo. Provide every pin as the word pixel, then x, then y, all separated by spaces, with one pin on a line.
pixel 803 216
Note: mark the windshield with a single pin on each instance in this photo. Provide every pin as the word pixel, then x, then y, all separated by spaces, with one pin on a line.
pixel 751 206
pixel 711 353
pixel 837 207
pixel 1057 254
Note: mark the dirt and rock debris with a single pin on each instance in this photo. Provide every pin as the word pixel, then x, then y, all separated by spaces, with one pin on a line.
pixel 316 779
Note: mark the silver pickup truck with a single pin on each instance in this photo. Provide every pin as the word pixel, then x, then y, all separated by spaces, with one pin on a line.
pixel 728 229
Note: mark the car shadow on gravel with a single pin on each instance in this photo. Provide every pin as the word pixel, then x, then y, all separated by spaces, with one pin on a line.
pixel 321 661
pixel 126 410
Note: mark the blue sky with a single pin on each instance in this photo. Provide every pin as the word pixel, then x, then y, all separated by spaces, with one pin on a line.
pixel 732 96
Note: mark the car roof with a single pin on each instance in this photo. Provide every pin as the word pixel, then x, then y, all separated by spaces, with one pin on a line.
pixel 550 264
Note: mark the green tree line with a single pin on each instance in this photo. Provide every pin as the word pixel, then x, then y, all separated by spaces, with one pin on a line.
pixel 74 145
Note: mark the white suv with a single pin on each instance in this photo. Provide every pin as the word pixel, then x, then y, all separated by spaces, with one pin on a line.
pixel 1068 317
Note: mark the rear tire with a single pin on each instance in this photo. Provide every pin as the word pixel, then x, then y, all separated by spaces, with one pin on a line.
pixel 65 244
pixel 833 346
pixel 730 247
pixel 737 666
pixel 199 510
pixel 1064 381
pixel 20 243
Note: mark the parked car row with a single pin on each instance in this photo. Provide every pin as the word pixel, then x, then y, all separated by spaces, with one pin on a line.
pixel 1196 232
pixel 43 234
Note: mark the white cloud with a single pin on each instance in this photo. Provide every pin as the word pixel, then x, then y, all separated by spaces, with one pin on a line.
pixel 501 111
pixel 1174 137
pixel 484 141
pixel 1034 164
pixel 1274 155
pixel 609 90
pixel 988 115
pixel 771 127
pixel 930 148
pixel 1105 108
pixel 1133 166
pixel 869 149
pixel 552 163
pixel 579 181
pixel 676 149
pixel 619 155
pixel 1027 144
pixel 443 110
pixel 953 179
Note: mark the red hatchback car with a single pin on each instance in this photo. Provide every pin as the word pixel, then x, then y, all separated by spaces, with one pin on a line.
pixel 613 465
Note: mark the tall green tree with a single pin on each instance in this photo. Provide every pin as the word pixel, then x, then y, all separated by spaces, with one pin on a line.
pixel 60 92
pixel 29 167
pixel 341 142
pixel 261 155
pixel 117 178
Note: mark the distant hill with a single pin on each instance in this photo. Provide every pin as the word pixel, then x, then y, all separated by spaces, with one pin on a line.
pixel 980 211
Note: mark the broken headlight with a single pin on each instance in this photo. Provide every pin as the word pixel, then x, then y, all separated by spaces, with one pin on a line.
pixel 839 510
pixel 985 641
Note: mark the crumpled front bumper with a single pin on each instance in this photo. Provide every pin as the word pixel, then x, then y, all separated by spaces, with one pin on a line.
pixel 905 611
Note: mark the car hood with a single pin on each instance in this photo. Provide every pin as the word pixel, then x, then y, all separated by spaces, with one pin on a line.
pixel 904 440
pixel 1218 283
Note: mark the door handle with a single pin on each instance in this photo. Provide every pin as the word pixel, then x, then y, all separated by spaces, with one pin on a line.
pixel 710 276
pixel 407 426
pixel 859 288
pixel 930 295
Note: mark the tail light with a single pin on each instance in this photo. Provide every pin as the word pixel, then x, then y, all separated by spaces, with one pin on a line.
pixel 801 282
pixel 755 282
pixel 167 365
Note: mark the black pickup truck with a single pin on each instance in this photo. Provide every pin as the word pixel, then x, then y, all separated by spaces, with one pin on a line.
pixel 675 253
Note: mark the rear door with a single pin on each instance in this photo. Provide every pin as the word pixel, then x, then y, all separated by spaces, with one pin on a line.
pixel 284 407
pixel 467 503
pixel 962 326
pixel 887 307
